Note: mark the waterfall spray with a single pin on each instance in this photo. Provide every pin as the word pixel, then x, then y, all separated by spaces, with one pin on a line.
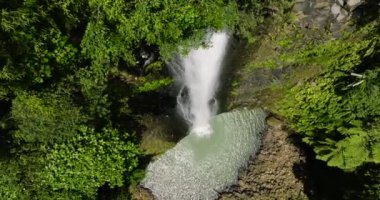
pixel 198 73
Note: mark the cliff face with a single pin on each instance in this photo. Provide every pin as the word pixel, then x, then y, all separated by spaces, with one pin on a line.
pixel 261 80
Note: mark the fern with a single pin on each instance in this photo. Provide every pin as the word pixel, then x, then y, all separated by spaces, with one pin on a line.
pixel 336 112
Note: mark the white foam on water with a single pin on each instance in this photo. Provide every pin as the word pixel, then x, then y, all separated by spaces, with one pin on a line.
pixel 198 168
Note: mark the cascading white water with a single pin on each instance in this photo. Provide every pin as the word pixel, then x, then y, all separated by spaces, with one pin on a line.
pixel 201 167
pixel 198 73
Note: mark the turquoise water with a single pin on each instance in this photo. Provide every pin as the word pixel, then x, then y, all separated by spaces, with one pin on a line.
pixel 200 167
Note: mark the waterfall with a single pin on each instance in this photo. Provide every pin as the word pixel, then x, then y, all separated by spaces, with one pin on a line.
pixel 198 74
pixel 201 167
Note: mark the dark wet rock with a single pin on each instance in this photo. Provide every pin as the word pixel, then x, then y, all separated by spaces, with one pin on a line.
pixel 331 15
pixel 352 4
pixel 341 2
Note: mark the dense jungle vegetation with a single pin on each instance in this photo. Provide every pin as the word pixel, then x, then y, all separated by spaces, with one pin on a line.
pixel 75 76
pixel 337 110
pixel 331 98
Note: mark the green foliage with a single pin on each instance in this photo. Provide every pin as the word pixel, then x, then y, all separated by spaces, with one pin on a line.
pixel 57 56
pixel 163 23
pixel 150 86
pixel 253 15
pixel 49 118
pixel 372 181
pixel 338 111
pixel 73 169
pixel 87 162
pixel 9 182
pixel 29 52
pixel 92 82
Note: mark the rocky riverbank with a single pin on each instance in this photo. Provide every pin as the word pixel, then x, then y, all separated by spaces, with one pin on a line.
pixel 277 171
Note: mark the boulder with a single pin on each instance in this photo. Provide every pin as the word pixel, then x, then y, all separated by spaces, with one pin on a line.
pixel 352 4
pixel 335 9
